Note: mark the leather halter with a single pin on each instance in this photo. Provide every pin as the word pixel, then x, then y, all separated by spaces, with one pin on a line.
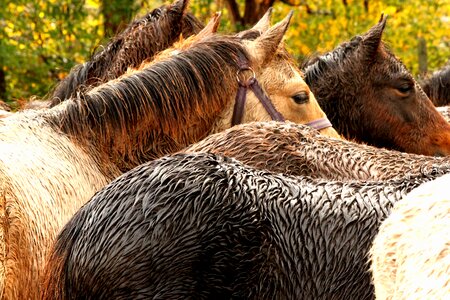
pixel 252 83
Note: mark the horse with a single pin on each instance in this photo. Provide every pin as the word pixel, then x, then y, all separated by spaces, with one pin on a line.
pixel 206 226
pixel 370 97
pixel 139 41
pixel 437 86
pixel 411 253
pixel 298 150
pixel 53 160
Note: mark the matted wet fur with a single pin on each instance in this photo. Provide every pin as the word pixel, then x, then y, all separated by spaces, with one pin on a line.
pixel 437 86
pixel 369 96
pixel 141 40
pixel 204 226
pixel 53 160
pixel 444 111
pixel 411 253
pixel 295 149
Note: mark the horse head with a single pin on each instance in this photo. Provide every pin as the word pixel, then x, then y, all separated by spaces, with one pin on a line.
pixel 279 77
pixel 371 97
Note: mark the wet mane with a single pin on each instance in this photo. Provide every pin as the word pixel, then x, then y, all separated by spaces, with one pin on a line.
pixel 153 98
pixel 316 65
pixel 437 86
pixel 141 40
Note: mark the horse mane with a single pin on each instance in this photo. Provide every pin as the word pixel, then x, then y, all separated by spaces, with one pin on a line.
pixel 140 40
pixel 437 86
pixel 186 88
pixel 317 64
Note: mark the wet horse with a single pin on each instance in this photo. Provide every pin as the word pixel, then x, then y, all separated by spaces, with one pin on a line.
pixel 369 96
pixel 437 86
pixel 206 226
pixel 141 40
pixel 53 160
pixel 411 253
pixel 295 149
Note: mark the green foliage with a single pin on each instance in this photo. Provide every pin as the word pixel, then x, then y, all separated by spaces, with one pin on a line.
pixel 40 40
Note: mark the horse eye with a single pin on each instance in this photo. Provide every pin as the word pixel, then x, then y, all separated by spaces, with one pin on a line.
pixel 301 98
pixel 405 89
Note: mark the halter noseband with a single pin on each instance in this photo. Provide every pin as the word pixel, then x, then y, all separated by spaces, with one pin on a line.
pixel 252 83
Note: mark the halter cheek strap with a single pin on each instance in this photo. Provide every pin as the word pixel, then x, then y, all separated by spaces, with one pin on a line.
pixel 241 97
pixel 252 83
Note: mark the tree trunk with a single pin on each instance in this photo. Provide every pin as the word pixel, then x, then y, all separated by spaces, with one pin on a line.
pixel 423 56
pixel 253 11
pixel 2 84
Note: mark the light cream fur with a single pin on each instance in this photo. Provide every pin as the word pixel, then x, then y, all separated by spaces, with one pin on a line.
pixel 411 253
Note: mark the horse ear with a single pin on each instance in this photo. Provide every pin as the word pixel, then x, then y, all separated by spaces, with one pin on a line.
pixel 179 6
pixel 264 23
pixel 210 28
pixel 267 44
pixel 372 39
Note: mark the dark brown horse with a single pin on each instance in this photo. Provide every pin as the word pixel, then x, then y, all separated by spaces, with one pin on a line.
pixel 202 226
pixel 141 40
pixel 437 86
pixel 370 97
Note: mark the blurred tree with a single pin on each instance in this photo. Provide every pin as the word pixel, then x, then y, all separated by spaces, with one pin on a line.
pixel 117 14
pixel 40 40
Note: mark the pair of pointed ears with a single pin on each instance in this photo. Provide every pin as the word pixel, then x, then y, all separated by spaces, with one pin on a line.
pixel 371 40
pixel 265 46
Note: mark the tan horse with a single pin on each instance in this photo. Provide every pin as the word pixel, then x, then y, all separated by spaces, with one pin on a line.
pixel 53 160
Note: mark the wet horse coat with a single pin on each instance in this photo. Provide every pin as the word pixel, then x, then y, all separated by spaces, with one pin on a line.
pixel 295 149
pixel 53 160
pixel 205 226
pixel 411 253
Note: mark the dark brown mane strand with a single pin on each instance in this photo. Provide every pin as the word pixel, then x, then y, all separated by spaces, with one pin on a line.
pixel 141 40
pixel 437 86
pixel 191 87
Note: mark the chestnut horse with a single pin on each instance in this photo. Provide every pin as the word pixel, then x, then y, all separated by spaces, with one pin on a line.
pixel 369 96
pixel 142 39
pixel 437 86
pixel 203 226
pixel 295 149
pixel 53 160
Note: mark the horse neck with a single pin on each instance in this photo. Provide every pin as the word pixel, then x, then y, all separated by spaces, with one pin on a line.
pixel 139 118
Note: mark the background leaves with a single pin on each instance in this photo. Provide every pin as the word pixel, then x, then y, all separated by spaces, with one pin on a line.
pixel 40 40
